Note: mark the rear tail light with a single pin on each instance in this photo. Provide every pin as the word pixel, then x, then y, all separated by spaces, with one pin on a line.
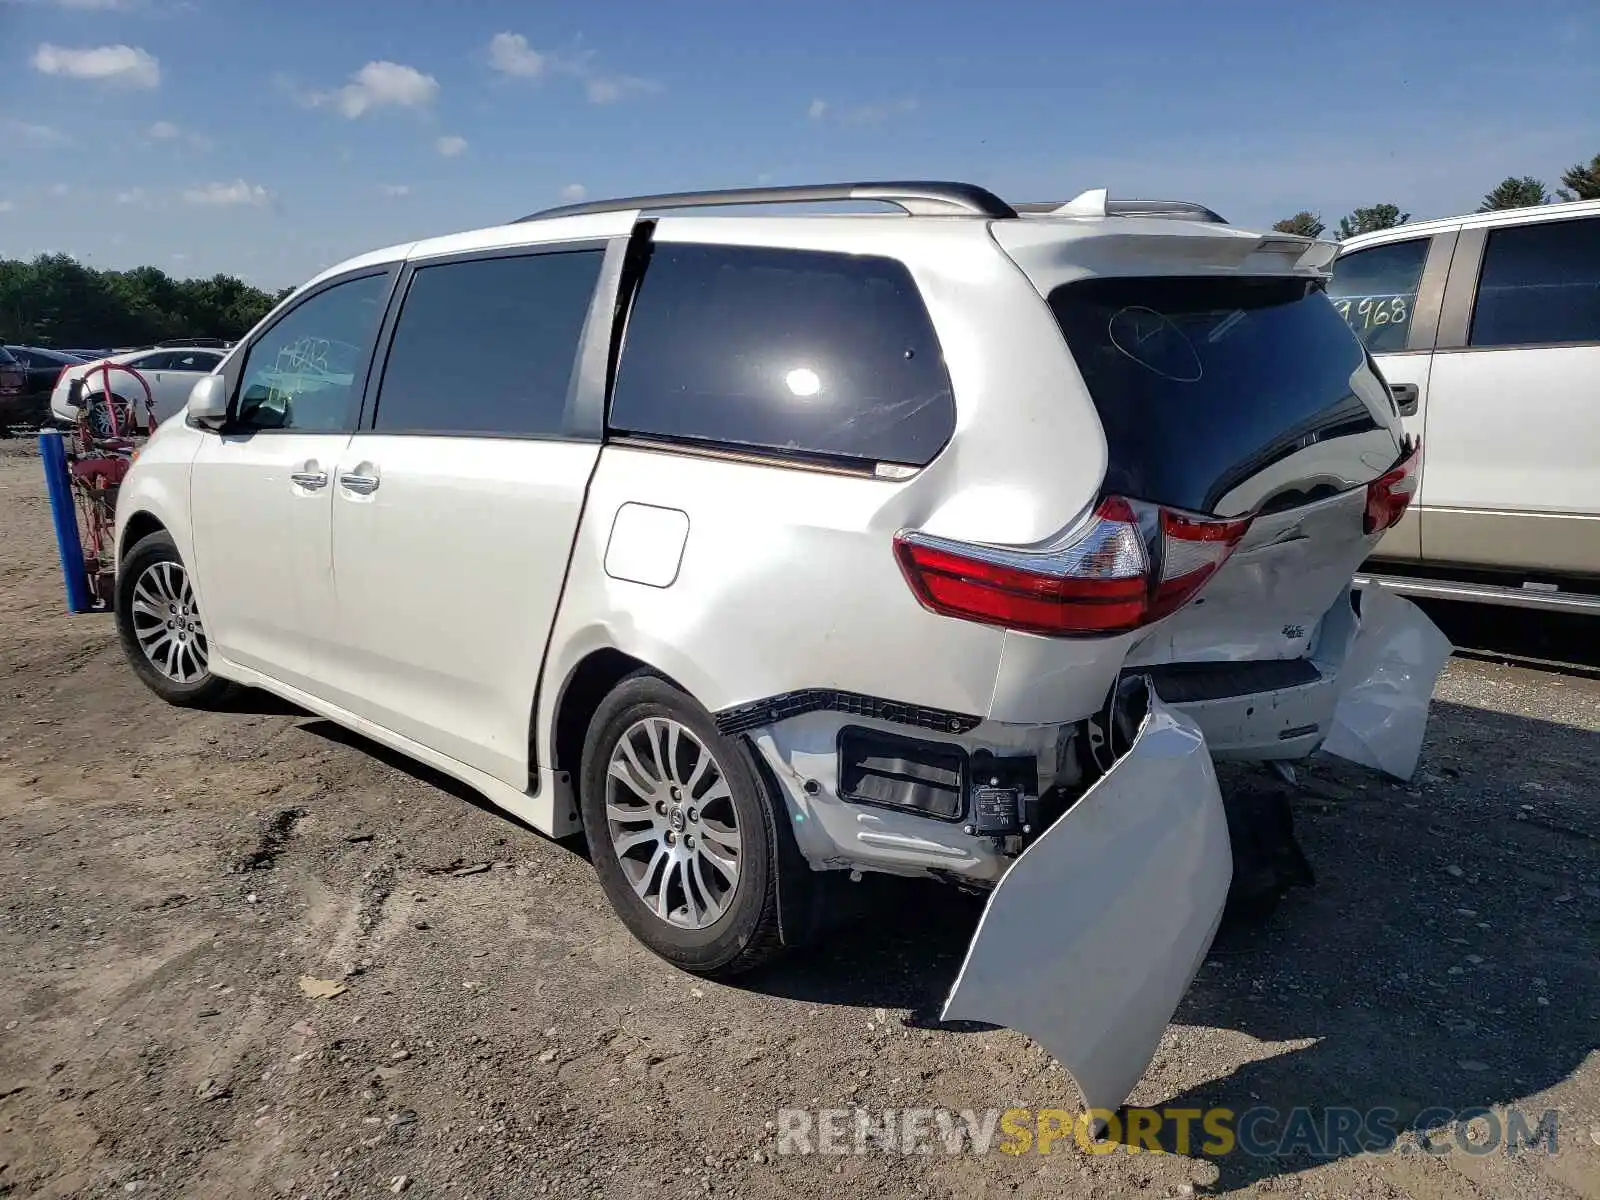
pixel 1193 549
pixel 1133 563
pixel 1390 493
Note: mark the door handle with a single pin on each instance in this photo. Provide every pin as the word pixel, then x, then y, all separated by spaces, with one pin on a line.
pixel 310 477
pixel 361 483
pixel 1406 397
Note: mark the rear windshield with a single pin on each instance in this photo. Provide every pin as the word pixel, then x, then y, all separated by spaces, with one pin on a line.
pixel 1207 385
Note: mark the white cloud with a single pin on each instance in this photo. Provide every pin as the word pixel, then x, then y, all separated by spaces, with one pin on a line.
pixel 131 196
pixel 237 192
pixel 32 134
pixel 7 206
pixel 379 84
pixel 395 189
pixel 872 114
pixel 127 66
pixel 450 145
pixel 574 192
pixel 608 89
pixel 59 189
pixel 166 131
pixel 510 54
pixel 861 114
pixel 87 5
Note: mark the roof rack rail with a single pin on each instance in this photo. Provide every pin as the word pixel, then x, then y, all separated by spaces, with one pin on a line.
pixel 1174 210
pixel 929 198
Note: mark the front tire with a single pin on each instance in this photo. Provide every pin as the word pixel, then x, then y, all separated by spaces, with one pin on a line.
pixel 681 829
pixel 158 620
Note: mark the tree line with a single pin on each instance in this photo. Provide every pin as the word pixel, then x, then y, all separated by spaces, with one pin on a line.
pixel 54 300
pixel 1580 182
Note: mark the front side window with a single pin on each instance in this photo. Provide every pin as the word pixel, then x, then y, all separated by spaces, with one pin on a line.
pixel 301 374
pixel 1539 285
pixel 793 351
pixel 487 346
pixel 1376 289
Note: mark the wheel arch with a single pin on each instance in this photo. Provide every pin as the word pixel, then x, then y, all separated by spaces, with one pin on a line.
pixel 585 687
pixel 139 525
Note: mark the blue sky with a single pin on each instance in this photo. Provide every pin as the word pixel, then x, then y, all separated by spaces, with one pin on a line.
pixel 270 138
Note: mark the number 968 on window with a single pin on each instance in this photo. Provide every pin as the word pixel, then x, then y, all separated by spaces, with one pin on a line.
pixel 1367 312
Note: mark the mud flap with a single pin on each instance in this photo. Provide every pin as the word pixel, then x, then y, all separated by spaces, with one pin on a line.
pixel 1093 935
pixel 1385 685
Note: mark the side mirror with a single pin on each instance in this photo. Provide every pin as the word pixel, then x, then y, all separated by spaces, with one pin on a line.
pixel 208 401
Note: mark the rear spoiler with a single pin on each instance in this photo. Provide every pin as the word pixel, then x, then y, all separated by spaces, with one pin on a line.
pixel 1303 253
pixel 1095 203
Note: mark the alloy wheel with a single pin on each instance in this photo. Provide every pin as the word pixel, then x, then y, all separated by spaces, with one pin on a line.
pixel 672 823
pixel 166 623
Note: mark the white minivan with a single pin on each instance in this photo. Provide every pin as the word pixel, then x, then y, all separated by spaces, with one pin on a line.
pixel 954 544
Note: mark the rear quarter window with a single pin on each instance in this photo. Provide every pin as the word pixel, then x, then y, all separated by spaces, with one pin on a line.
pixel 789 351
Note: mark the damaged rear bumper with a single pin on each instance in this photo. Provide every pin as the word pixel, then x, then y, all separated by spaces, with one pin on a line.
pixel 1093 935
pixel 1386 685
pixel 1095 932
pixel 1362 694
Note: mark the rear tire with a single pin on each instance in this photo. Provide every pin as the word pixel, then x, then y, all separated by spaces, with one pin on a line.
pixel 682 830
pixel 98 416
pixel 158 620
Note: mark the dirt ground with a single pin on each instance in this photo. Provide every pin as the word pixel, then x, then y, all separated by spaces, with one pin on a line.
pixel 167 878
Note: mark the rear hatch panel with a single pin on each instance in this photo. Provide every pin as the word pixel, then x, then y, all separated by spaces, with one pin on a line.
pixel 1270 597
pixel 1227 386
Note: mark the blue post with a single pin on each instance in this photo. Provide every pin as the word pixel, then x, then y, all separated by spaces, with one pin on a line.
pixel 54 453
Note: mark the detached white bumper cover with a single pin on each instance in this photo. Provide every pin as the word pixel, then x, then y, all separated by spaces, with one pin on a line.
pixel 1093 935
pixel 1386 684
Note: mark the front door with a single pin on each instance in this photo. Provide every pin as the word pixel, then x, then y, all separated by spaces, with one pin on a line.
pixel 261 490
pixel 1509 474
pixel 174 376
pixel 456 506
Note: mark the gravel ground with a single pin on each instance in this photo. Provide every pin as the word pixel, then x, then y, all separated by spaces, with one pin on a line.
pixel 169 880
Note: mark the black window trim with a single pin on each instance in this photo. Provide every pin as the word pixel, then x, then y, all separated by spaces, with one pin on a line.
pixel 640 250
pixel 236 358
pixel 1461 293
pixel 761 456
pixel 584 419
